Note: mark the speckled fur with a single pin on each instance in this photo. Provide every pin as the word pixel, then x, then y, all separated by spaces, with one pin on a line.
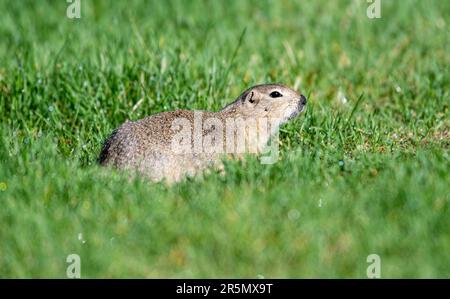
pixel 145 145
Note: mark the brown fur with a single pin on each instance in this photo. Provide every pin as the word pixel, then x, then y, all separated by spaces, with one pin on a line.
pixel 145 145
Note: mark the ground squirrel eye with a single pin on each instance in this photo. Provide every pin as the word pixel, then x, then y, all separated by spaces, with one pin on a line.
pixel 275 94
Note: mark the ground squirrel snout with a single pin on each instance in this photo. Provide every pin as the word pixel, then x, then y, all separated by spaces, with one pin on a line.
pixel 171 145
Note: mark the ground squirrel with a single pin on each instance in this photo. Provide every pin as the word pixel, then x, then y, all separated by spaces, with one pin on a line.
pixel 171 145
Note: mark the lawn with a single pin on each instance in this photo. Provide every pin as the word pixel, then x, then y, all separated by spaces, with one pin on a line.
pixel 365 170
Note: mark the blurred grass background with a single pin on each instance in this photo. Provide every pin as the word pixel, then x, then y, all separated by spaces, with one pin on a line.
pixel 351 180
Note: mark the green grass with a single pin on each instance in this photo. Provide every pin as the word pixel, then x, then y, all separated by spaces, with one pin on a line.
pixel 352 180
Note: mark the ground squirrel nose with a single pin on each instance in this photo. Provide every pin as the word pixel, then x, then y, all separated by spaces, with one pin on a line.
pixel 303 99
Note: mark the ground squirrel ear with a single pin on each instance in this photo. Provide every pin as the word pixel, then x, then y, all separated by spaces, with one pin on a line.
pixel 250 97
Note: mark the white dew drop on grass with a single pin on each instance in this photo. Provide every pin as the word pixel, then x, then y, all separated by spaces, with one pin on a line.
pixel 341 97
pixel 440 23
pixel 293 214
pixel 80 238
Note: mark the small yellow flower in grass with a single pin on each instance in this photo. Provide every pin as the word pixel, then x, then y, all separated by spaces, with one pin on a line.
pixel 3 186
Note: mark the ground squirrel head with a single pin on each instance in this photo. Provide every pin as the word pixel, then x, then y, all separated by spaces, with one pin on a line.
pixel 268 100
